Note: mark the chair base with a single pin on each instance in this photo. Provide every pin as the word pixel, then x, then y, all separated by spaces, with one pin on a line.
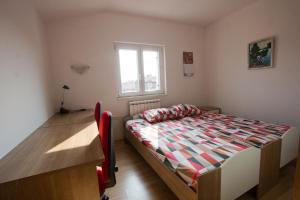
pixel 104 197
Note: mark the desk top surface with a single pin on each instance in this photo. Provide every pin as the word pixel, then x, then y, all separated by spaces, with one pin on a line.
pixel 64 141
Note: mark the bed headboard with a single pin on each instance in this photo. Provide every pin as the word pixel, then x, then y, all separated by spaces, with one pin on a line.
pixel 136 107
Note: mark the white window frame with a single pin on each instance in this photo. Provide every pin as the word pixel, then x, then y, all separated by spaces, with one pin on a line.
pixel 140 47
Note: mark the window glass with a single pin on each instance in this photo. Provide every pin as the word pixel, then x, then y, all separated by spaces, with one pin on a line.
pixel 128 60
pixel 151 70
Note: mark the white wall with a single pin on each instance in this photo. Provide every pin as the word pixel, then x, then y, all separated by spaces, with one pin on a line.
pixel 25 103
pixel 89 40
pixel 267 94
pixel 25 100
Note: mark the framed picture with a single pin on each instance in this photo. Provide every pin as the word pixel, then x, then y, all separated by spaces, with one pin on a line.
pixel 188 64
pixel 188 58
pixel 260 54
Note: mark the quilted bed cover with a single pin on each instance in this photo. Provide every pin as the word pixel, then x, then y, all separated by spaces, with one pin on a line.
pixel 193 146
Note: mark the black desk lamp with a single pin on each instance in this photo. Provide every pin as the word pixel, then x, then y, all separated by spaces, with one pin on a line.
pixel 62 109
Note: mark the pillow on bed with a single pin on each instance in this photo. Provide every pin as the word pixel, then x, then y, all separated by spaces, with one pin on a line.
pixel 159 115
pixel 184 110
pixel 179 109
pixel 191 110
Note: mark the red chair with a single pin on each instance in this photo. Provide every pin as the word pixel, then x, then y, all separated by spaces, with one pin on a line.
pixel 98 113
pixel 106 172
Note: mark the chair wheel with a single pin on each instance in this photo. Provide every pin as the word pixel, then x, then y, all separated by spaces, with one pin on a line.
pixel 104 197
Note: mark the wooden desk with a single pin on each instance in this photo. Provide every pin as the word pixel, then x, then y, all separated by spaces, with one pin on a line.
pixel 71 118
pixel 57 161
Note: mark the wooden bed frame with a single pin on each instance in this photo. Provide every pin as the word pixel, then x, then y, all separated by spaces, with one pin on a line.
pixel 210 185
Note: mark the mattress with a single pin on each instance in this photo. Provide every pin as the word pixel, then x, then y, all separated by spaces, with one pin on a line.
pixel 186 150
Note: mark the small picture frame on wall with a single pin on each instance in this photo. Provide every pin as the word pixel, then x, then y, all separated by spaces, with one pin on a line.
pixel 260 54
pixel 188 64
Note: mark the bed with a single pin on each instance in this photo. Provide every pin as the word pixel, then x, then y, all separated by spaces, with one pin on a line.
pixel 256 165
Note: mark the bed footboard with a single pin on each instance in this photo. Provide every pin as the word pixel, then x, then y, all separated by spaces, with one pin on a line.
pixel 289 147
pixel 240 173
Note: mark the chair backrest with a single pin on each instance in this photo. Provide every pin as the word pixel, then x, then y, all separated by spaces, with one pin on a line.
pixel 97 112
pixel 106 137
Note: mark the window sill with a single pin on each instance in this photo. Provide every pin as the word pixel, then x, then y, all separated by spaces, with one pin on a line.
pixel 138 97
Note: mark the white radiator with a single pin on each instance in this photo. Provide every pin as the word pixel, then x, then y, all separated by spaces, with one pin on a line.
pixel 136 107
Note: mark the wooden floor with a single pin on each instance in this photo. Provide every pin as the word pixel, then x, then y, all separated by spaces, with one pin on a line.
pixel 136 180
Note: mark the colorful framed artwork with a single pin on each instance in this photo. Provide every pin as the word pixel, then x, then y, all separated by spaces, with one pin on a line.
pixel 260 54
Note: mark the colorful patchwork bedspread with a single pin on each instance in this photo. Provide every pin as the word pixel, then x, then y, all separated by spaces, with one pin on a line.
pixel 192 146
pixel 188 151
pixel 254 132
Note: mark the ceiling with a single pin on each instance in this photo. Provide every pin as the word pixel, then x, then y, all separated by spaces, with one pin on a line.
pixel 200 12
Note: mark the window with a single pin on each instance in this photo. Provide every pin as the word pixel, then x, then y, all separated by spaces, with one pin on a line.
pixel 142 69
